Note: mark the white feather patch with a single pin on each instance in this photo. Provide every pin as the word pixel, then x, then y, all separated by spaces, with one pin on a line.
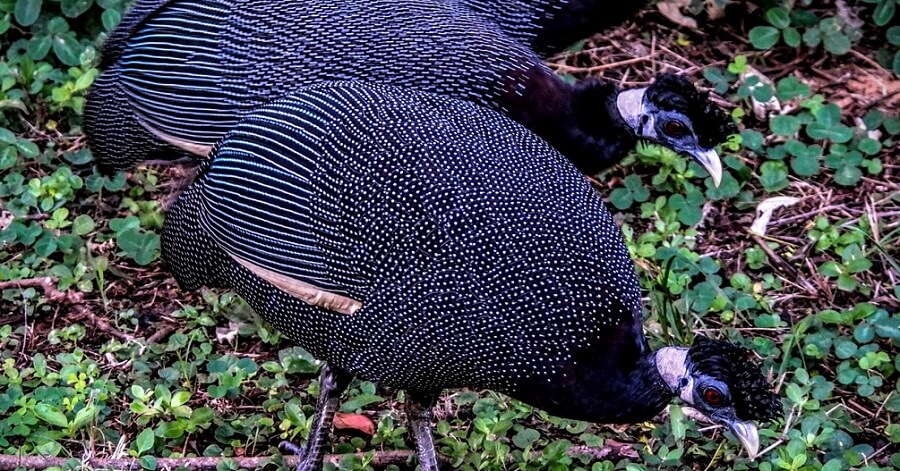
pixel 671 363
pixel 197 149
pixel 302 290
pixel 630 104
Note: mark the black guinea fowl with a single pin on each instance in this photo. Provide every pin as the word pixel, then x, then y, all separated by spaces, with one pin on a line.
pixel 423 242
pixel 178 74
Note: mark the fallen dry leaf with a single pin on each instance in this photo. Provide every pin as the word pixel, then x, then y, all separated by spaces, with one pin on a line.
pixel 354 422
pixel 671 9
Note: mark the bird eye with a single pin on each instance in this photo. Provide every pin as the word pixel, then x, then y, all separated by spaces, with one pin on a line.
pixel 713 397
pixel 675 129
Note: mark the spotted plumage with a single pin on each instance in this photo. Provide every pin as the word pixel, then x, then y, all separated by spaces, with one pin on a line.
pixel 493 268
pixel 479 256
pixel 178 74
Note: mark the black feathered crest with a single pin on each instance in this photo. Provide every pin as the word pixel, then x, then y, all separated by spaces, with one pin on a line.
pixel 752 396
pixel 674 93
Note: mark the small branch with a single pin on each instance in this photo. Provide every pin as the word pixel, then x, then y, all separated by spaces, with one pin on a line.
pixel 46 283
pixel 377 459
pixel 568 68
pixel 102 324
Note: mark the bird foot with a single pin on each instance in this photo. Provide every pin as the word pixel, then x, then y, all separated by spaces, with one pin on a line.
pixel 304 463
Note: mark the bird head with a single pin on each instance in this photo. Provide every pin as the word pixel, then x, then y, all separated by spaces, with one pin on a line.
pixel 719 380
pixel 673 113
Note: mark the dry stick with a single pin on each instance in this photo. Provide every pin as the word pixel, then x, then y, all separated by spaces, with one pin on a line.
pixel 103 325
pixel 45 283
pixel 807 214
pixel 378 459
pixel 597 68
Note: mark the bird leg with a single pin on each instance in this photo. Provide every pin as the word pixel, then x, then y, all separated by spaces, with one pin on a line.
pixel 419 410
pixel 332 383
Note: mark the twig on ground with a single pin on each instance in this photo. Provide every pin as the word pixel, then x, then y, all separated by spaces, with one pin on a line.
pixel 103 325
pixel 378 459
pixel 597 68
pixel 47 284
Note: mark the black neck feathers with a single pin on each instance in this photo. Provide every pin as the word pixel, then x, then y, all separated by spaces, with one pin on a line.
pixel 615 380
pixel 581 121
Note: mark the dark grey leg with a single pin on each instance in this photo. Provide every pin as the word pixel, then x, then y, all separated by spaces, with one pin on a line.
pixel 332 383
pixel 419 411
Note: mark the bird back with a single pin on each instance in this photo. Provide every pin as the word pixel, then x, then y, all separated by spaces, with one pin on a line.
pixel 189 69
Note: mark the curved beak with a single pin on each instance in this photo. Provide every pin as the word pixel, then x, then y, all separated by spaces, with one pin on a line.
pixel 709 159
pixel 748 435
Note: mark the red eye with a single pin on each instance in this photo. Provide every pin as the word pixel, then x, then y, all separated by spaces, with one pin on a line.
pixel 713 397
pixel 675 129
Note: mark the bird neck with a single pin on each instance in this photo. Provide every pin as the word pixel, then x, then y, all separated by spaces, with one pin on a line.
pixel 632 110
pixel 612 381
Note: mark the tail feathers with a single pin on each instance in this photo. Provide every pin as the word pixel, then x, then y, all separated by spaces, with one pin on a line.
pixel 115 136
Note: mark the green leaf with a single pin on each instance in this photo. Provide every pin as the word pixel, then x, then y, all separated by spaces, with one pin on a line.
pixel 111 19
pixel 8 157
pixel 148 462
pixel 764 37
pixel 67 48
pixel 171 429
pixel 180 398
pixel 27 148
pixel 846 282
pixel 7 137
pixel 360 401
pixel 831 269
pixel 848 175
pixel 805 165
pixel 621 198
pixel 752 140
pixel 784 125
pixel 84 417
pixel 828 115
pixel 888 328
pixel 46 245
pixel 838 133
pixel 791 37
pixel 778 17
pixel 869 146
pixel 837 44
pixel 773 176
pixel 844 348
pixel 144 441
pixel 864 333
pixel 893 35
pixel 79 157
pixel 75 8
pixel 27 11
pixel 884 12
pixel 204 416
pixel 812 37
pixel 39 46
pixel 526 437
pixel 51 414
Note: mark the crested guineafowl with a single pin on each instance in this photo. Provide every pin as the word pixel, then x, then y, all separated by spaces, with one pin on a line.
pixel 180 73
pixel 424 242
